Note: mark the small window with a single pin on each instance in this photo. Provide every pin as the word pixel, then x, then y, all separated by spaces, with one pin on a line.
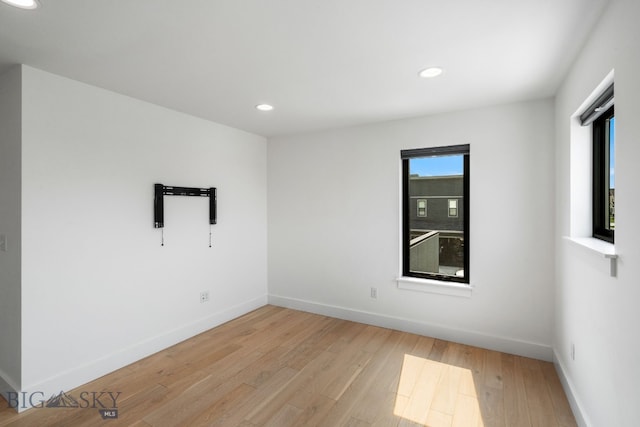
pixel 604 188
pixel 601 116
pixel 436 246
pixel 453 208
pixel 422 208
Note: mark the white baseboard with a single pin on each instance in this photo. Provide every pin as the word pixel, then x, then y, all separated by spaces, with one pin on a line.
pixel 577 408
pixel 74 378
pixel 477 339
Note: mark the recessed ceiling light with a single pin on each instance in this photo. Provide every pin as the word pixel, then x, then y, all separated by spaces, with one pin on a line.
pixel 264 107
pixel 430 72
pixel 22 4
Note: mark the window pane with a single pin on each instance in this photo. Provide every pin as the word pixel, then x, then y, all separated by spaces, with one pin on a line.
pixel 422 207
pixel 436 242
pixel 611 197
pixel 453 207
pixel 604 176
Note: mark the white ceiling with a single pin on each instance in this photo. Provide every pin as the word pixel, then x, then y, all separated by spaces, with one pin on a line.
pixel 321 63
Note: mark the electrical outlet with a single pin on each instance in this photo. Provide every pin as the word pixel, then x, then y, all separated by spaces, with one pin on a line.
pixel 573 351
pixel 204 296
pixel 374 293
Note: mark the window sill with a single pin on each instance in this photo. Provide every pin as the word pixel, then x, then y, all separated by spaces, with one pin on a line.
pixel 600 247
pixel 434 286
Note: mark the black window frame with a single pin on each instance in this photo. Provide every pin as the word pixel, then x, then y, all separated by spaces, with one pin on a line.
pixel 601 170
pixel 406 156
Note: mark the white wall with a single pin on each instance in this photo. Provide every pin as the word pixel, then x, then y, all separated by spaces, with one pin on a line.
pixel 334 226
pixel 596 312
pixel 98 290
pixel 10 166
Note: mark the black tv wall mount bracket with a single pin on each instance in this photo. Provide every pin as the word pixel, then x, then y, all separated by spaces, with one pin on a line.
pixel 165 190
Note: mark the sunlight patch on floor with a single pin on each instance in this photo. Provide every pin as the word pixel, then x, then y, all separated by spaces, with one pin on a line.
pixel 437 394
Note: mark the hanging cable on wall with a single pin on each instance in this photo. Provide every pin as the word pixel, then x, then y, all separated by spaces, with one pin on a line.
pixel 164 190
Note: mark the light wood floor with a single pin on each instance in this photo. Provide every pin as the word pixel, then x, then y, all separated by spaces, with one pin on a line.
pixel 280 367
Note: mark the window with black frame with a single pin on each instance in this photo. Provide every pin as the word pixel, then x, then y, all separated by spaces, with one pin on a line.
pixel 604 189
pixel 601 116
pixel 436 242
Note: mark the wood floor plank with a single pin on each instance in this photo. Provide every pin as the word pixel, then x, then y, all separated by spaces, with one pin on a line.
pixel 194 399
pixel 315 411
pixel 377 340
pixel 265 367
pixel 285 417
pixel 396 345
pixel 457 355
pixel 491 404
pixel 539 402
pixel 467 383
pixel 344 373
pixel 439 419
pixel 516 409
pixel 385 410
pixel 489 387
pixel 223 380
pixel 438 350
pixel 411 369
pixel 221 406
pixel 136 407
pixel 405 422
pixel 382 401
pixel 425 347
pixel 350 362
pixel 346 333
pixel 558 398
pixel 467 413
pixel 419 404
pixel 446 395
pixel 381 405
pixel 302 331
pixel 316 344
pixel 492 372
pixel 281 367
pixel 303 380
pixel 354 422
pixel 207 391
pixel 262 393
